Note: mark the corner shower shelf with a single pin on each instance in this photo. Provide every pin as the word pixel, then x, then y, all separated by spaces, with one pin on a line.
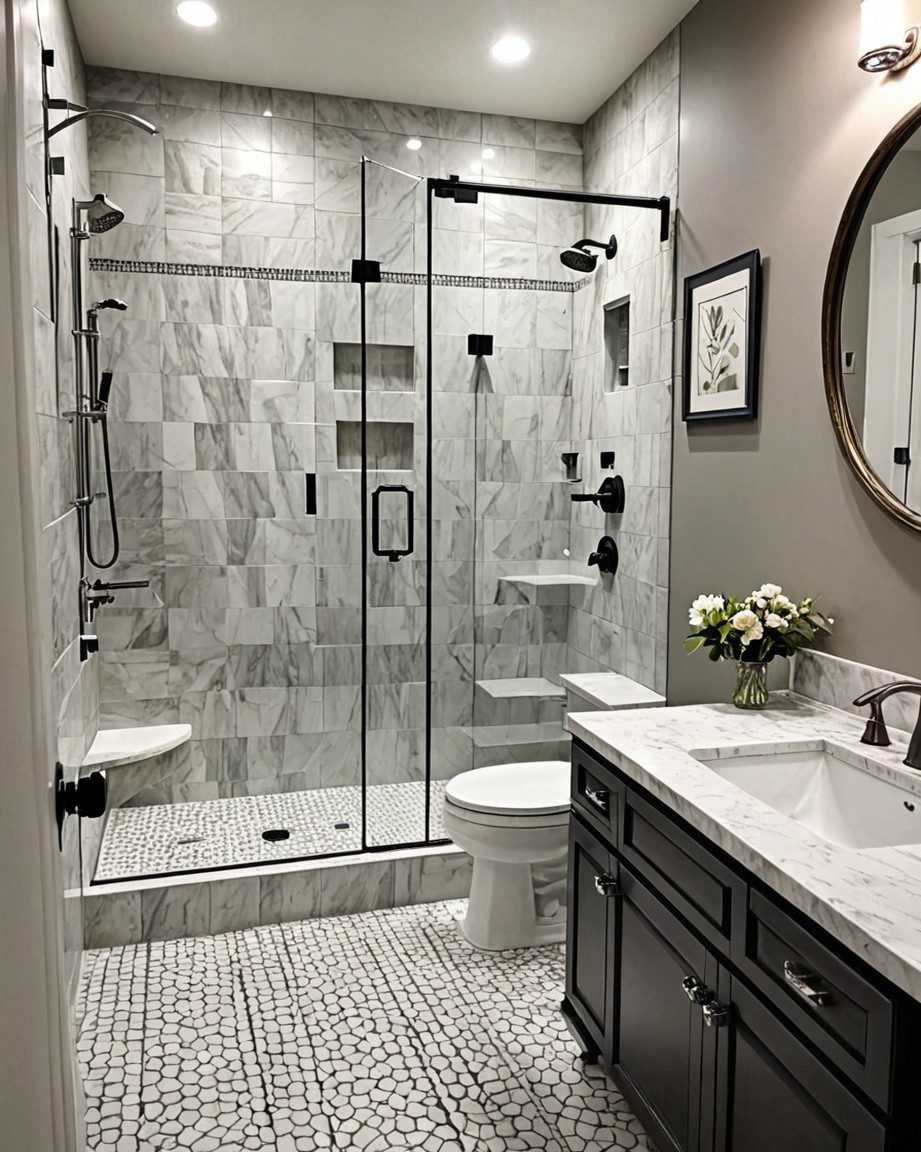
pixel 507 735
pixel 550 580
pixel 522 688
pixel 115 746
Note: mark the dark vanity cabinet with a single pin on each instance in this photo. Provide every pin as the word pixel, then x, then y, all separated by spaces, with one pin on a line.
pixel 729 1021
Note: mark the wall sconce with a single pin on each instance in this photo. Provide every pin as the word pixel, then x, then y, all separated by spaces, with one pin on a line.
pixel 885 45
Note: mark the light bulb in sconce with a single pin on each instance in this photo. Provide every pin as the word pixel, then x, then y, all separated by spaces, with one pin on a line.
pixel 885 45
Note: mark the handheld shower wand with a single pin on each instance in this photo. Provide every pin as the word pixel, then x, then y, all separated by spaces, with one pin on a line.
pixel 99 391
pixel 91 218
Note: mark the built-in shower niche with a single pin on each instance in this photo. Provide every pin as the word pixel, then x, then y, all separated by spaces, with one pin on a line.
pixel 389 445
pixel 390 367
pixel 616 345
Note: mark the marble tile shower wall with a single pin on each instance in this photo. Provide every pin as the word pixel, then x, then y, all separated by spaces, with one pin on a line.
pixel 226 394
pixel 631 145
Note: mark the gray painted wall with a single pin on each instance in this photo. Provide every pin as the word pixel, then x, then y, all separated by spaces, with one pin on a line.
pixel 777 122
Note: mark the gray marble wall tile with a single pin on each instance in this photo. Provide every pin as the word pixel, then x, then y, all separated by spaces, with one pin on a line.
pixel 171 913
pixel 838 682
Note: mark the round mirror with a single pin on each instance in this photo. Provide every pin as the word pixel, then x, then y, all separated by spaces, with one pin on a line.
pixel 872 325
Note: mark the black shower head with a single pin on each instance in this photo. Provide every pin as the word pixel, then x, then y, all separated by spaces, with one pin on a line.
pixel 101 214
pixel 580 260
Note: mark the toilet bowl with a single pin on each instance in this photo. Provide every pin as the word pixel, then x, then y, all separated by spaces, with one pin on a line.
pixel 509 817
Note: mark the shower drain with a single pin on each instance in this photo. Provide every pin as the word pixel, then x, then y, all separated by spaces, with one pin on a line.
pixel 273 835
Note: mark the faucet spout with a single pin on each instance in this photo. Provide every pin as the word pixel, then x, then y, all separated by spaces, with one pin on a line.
pixel 876 733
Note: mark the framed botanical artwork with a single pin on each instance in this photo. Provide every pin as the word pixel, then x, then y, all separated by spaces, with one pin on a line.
pixel 722 341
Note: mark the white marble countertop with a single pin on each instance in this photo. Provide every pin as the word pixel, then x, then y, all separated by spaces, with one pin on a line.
pixel 611 690
pixel 869 900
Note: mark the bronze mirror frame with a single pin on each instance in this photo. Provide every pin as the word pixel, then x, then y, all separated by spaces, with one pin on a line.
pixel 832 303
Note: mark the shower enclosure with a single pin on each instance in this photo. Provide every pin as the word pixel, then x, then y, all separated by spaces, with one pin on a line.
pixel 366 567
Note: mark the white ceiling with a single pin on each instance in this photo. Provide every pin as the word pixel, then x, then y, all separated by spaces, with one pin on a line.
pixel 433 52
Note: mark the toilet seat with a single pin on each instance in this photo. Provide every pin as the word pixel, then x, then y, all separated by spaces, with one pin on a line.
pixel 536 792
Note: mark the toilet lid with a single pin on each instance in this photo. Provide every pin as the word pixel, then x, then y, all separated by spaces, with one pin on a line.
pixel 535 788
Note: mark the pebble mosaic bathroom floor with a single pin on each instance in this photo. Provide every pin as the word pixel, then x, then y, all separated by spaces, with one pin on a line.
pixel 160 839
pixel 373 1032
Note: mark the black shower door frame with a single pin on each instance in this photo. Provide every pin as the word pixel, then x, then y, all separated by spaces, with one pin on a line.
pixel 465 190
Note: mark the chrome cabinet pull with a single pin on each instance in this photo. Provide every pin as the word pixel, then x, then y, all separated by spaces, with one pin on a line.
pixel 806 984
pixel 599 797
pixel 715 1014
pixel 606 886
pixel 696 991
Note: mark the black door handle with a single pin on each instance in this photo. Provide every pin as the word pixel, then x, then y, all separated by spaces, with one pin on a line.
pixel 392 554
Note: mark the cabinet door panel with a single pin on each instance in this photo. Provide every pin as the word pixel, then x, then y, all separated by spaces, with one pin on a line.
pixel 774 1095
pixel 658 1043
pixel 588 910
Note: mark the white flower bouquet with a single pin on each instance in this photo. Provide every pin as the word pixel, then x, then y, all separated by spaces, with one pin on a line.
pixel 753 631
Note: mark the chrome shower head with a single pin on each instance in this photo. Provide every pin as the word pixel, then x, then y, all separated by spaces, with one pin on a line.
pixel 580 260
pixel 101 214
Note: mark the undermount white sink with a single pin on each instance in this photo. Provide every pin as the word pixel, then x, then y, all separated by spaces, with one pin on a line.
pixel 839 801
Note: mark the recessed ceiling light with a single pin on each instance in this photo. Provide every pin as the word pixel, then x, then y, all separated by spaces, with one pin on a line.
pixel 414 144
pixel 267 112
pixel 197 13
pixel 511 50
pixel 489 153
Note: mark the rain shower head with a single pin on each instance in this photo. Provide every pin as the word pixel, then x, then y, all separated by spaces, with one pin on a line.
pixel 580 260
pixel 101 214
pixel 81 113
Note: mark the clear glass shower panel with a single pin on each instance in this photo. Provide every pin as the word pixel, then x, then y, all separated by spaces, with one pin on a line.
pixel 386 437
pixel 460 381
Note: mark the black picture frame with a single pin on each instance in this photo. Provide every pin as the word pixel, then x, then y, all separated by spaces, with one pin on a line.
pixel 750 263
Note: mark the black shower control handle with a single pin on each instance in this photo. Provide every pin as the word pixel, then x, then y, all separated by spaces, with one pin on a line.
pixel 610 497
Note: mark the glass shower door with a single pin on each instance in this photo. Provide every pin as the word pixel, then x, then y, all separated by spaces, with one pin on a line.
pixel 392 442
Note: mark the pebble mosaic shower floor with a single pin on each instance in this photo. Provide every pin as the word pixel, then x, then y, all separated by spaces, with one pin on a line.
pixel 160 839
pixel 373 1032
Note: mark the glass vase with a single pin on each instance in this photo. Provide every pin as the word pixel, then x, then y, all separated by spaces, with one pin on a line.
pixel 751 685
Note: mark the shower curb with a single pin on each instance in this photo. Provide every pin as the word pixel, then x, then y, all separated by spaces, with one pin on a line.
pixel 170 908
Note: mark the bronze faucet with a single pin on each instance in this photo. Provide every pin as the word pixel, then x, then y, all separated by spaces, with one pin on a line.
pixel 876 732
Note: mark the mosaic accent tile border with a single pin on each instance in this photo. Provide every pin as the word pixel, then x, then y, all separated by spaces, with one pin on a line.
pixel 327 276
pixel 166 839
pixel 378 1031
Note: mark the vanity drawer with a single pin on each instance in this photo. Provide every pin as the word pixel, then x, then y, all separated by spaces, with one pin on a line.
pixel 596 792
pixel 844 1015
pixel 698 885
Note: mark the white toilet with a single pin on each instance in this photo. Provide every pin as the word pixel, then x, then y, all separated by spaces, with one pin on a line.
pixel 509 817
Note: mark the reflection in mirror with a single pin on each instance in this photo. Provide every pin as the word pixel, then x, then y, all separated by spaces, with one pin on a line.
pixel 881 328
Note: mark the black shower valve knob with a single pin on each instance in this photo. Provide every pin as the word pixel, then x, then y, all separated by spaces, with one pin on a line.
pixel 605 557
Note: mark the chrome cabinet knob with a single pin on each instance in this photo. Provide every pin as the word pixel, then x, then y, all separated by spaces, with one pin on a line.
pixel 695 990
pixel 716 1015
pixel 606 886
